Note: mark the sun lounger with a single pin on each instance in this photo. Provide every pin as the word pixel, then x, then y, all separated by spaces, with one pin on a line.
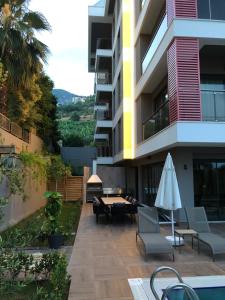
pixel 197 220
pixel 149 232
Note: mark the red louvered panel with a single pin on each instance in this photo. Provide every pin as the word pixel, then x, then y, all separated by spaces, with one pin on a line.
pixel 184 80
pixel 181 9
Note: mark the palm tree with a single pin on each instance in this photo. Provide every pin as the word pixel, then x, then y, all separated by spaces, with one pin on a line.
pixel 21 53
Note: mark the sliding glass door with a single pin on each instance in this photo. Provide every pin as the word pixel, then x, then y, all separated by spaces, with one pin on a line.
pixel 209 187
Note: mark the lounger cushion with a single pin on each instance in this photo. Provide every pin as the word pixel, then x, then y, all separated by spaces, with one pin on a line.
pixel 216 242
pixel 155 243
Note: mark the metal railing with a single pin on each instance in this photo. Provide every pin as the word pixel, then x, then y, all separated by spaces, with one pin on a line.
pixel 191 294
pixel 104 151
pixel 213 105
pixel 103 78
pixel 154 43
pixel 14 129
pixel 158 121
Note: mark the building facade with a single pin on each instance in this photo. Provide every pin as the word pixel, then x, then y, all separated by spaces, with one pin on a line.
pixel 160 87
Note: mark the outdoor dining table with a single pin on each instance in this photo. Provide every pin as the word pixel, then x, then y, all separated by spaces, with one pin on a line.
pixel 111 200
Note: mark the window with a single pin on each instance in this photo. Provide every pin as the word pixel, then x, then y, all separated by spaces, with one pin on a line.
pixel 211 9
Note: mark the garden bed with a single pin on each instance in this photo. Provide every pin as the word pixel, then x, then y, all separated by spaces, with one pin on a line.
pixel 29 270
pixel 27 232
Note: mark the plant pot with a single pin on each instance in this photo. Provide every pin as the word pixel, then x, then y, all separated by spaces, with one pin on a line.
pixel 55 241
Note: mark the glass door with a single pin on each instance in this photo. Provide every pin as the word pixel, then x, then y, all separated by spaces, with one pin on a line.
pixel 209 188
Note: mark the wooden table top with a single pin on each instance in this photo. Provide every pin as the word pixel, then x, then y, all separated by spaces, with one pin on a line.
pixel 112 200
pixel 185 231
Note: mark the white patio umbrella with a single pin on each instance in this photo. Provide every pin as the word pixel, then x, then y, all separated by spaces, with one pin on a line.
pixel 168 196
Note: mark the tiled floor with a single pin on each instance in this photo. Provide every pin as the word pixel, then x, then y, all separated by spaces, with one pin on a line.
pixel 106 255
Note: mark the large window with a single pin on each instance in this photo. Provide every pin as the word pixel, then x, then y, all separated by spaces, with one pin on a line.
pixel 211 9
pixel 213 99
pixel 160 118
pixel 209 187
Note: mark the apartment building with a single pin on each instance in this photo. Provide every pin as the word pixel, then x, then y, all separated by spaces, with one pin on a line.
pixel 160 87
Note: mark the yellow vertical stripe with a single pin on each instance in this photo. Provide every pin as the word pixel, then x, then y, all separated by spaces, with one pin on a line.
pixel 128 103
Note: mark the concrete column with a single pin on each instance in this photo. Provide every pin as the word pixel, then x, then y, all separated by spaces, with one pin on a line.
pixel 183 162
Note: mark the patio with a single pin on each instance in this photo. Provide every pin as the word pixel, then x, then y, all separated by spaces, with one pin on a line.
pixel 105 256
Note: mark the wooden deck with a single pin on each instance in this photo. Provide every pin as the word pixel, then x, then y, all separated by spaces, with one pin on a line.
pixel 106 255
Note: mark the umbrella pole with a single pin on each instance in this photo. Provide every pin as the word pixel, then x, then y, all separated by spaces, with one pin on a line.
pixel 172 219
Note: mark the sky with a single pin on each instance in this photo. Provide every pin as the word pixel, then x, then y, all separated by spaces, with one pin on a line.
pixel 68 43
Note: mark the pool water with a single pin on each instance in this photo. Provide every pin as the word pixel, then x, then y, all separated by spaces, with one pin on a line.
pixel 205 293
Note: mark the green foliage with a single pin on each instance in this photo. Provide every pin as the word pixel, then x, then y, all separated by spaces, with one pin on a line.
pixel 80 131
pixel 52 211
pixel 58 281
pixel 28 234
pixel 81 108
pixel 35 164
pixel 75 117
pixel 57 170
pixel 46 124
pixel 51 268
pixel 18 26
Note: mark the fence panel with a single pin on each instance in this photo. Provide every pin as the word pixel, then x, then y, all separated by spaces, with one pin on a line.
pixel 71 188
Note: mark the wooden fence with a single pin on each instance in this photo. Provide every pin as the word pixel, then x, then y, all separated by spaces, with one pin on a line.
pixel 71 188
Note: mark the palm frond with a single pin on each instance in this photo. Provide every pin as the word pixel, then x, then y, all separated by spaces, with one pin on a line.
pixel 36 21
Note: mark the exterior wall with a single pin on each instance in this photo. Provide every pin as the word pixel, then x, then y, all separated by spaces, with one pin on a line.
pixel 8 139
pixel 184 80
pixel 79 156
pixel 112 177
pixel 18 209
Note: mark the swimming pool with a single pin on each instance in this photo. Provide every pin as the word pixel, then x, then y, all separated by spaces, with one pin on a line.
pixel 204 293
pixel 207 287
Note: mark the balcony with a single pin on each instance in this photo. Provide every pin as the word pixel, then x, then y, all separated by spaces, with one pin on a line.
pixel 101 137
pixel 103 115
pixel 105 44
pixel 104 155
pixel 103 82
pixel 213 105
pixel 160 32
pixel 158 121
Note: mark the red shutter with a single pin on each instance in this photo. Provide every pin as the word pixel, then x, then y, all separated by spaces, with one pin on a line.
pixel 181 9
pixel 184 80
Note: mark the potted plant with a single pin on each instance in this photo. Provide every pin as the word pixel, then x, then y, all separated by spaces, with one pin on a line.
pixel 51 226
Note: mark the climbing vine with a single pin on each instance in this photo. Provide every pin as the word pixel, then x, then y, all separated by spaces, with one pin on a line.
pixel 15 170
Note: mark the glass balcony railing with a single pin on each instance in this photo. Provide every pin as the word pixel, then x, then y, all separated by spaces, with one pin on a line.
pixel 102 115
pixel 154 43
pixel 158 121
pixel 213 105
pixel 103 78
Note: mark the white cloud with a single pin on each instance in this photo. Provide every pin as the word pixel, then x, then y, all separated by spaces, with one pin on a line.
pixel 68 43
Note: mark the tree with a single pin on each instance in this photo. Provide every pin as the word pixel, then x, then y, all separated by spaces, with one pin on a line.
pixel 46 124
pixel 21 53
pixel 75 117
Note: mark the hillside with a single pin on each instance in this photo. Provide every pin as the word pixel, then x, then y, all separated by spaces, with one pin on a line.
pixel 64 97
pixel 76 122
